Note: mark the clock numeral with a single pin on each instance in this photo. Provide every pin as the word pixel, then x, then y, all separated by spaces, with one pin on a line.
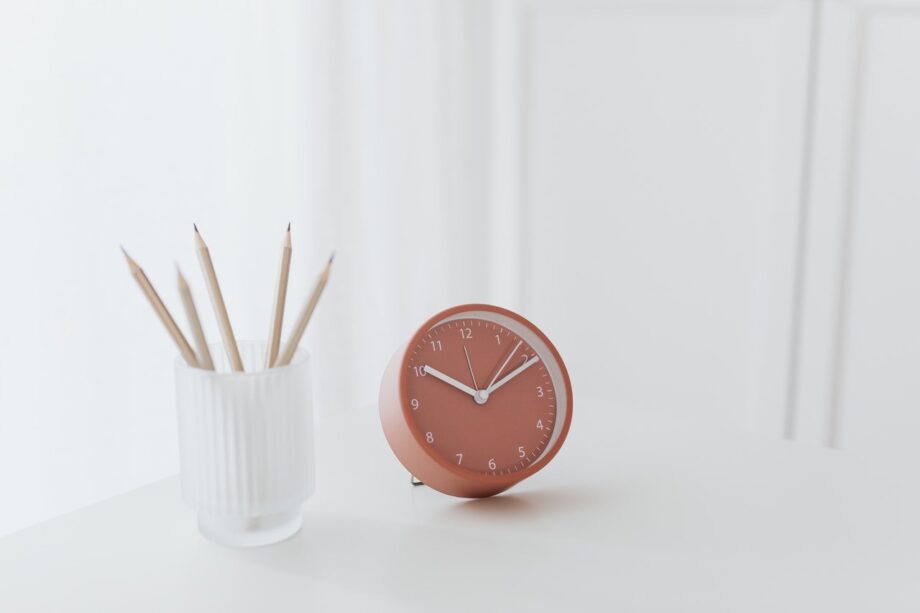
pixel 521 452
pixel 459 457
pixel 539 392
pixel 429 436
pixel 419 371
pixel 539 424
pixel 436 346
pixel 466 333
pixel 498 339
pixel 414 404
pixel 492 464
pixel 524 357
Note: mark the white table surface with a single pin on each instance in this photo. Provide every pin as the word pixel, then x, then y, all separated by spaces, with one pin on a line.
pixel 634 514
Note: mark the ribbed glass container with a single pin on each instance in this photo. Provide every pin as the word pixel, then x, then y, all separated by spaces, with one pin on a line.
pixel 246 445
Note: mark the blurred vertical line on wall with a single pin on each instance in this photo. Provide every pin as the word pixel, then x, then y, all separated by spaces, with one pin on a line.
pixel 400 122
pixel 330 201
pixel 524 164
pixel 795 339
pixel 463 153
pixel 507 128
pixel 845 248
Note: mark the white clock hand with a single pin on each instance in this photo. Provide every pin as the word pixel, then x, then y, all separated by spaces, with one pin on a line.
pixel 511 375
pixel 505 363
pixel 437 374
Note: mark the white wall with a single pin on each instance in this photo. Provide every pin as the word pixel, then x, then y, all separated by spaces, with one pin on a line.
pixel 661 156
pixel 707 205
pixel 124 123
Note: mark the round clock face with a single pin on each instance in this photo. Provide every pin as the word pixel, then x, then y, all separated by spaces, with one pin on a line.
pixel 483 397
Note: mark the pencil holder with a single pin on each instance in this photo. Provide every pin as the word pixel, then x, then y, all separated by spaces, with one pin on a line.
pixel 246 445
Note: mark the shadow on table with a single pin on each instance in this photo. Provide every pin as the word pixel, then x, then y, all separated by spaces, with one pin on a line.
pixel 529 504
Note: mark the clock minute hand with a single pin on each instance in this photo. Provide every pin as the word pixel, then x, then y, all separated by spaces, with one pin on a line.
pixel 437 374
pixel 511 375
pixel 502 367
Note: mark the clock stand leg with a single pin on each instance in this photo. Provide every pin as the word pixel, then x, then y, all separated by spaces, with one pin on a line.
pixel 415 481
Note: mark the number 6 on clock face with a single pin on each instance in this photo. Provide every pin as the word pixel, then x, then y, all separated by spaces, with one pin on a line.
pixel 477 400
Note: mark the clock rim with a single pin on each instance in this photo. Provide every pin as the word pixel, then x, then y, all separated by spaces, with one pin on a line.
pixel 484 479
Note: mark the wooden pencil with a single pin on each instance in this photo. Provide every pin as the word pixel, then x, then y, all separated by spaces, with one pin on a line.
pixel 201 343
pixel 217 301
pixel 162 312
pixel 305 314
pixel 274 335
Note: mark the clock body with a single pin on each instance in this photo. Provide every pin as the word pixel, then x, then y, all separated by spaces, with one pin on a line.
pixel 477 400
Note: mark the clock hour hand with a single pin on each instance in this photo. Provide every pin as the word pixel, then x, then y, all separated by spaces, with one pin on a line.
pixel 511 375
pixel 437 374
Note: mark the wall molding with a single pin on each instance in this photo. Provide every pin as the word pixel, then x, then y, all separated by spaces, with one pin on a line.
pixel 844 46
pixel 513 32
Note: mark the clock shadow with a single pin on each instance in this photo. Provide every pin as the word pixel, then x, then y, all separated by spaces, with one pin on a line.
pixel 501 505
pixel 531 504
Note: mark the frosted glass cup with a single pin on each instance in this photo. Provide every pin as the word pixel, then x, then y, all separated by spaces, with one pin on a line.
pixel 246 445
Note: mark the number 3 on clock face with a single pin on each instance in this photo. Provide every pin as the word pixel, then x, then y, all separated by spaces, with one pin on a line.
pixel 477 400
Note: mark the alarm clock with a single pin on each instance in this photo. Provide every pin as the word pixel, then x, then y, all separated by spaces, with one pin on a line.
pixel 477 401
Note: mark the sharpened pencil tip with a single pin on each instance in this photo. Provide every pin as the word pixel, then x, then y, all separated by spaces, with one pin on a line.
pixel 289 227
pixel 131 263
pixel 198 239
pixel 331 257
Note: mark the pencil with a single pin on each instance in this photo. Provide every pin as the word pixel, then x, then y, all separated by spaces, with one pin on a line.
pixel 274 335
pixel 162 312
pixel 217 301
pixel 305 314
pixel 203 354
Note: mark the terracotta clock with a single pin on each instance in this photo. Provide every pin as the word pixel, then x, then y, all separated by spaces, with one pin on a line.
pixel 476 401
